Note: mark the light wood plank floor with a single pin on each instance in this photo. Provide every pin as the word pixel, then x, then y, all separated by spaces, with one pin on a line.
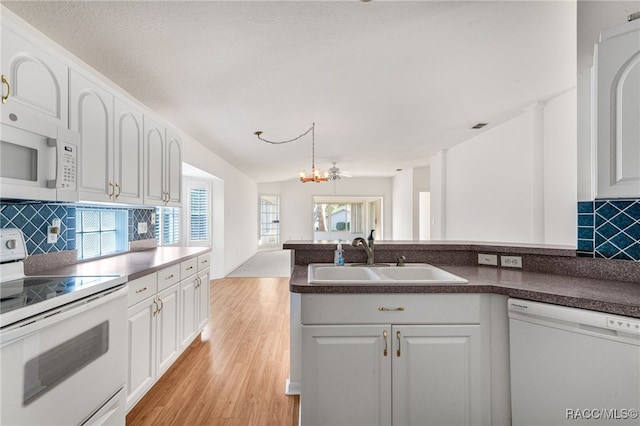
pixel 235 373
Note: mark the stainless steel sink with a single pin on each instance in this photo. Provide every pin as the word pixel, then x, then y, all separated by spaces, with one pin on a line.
pixel 410 274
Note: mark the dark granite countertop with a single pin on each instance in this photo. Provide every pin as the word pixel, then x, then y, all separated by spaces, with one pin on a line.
pixel 615 297
pixel 134 264
pixel 445 245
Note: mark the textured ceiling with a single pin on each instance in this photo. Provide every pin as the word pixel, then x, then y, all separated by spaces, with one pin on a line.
pixel 388 83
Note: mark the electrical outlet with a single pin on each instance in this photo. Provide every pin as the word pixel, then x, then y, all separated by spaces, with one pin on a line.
pixel 511 261
pixel 487 259
pixel 52 237
pixel 142 227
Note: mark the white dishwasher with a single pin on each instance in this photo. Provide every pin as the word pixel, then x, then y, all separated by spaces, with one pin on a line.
pixel 573 366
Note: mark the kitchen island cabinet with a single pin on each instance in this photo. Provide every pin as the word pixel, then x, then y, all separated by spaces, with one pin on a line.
pixel 424 361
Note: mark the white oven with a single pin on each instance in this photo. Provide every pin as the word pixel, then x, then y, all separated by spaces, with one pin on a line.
pixel 63 345
pixel 39 166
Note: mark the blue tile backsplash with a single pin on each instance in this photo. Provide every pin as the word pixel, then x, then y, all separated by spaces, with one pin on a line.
pixel 34 218
pixel 609 229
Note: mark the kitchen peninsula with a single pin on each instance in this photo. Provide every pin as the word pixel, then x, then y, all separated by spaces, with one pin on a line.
pixel 442 348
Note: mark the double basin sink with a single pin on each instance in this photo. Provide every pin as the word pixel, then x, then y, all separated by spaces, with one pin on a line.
pixel 381 274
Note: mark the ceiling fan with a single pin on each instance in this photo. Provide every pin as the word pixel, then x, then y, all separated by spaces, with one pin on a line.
pixel 335 173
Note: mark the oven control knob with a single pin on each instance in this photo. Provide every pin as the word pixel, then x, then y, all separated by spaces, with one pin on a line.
pixel 11 244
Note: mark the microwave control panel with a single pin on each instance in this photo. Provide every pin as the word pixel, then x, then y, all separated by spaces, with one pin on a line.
pixel 66 165
pixel 69 158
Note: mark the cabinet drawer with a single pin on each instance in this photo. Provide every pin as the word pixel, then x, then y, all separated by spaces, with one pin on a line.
pixel 142 288
pixel 390 308
pixel 168 276
pixel 188 267
pixel 203 261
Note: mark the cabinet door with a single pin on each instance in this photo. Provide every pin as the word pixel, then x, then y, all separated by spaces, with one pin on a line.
pixel 188 311
pixel 153 162
pixel 202 300
pixel 142 353
pixel 173 168
pixel 346 376
pixel 617 100
pixel 437 375
pixel 38 84
pixel 91 116
pixel 168 331
pixel 128 151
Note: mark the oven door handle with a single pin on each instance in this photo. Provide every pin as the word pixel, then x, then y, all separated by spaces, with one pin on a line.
pixel 49 318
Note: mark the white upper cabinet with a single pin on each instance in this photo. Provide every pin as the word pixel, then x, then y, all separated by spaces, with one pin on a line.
pixel 173 168
pixel 162 165
pixel 34 83
pixel 91 115
pixel 617 111
pixel 154 135
pixel 128 151
pixel 111 142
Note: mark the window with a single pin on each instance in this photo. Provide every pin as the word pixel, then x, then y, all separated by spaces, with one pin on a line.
pixel 167 226
pixel 198 214
pixel 101 231
pixel 346 218
pixel 269 220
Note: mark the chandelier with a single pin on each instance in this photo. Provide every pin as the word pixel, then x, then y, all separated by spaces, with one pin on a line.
pixel 316 175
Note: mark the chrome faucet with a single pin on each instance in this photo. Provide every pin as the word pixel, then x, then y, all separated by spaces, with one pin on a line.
pixel 368 248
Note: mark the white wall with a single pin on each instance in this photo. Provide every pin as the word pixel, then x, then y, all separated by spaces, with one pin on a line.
pixel 560 170
pixel 296 202
pixel 407 186
pixel 516 182
pixel 488 185
pixel 402 208
pixel 235 226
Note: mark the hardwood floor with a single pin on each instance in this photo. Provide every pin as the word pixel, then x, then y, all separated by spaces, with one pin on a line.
pixel 235 372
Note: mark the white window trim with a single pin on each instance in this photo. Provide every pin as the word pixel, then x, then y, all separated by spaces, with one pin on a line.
pixel 188 184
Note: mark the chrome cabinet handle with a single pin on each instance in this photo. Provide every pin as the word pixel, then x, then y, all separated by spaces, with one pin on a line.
pixel 6 83
pixel 384 334
pixel 398 336
pixel 169 277
pixel 112 189
pixel 155 312
pixel 189 268
pixel 385 309
pixel 118 193
pixel 140 290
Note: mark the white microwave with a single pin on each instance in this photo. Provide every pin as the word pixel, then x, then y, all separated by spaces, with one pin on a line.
pixel 39 166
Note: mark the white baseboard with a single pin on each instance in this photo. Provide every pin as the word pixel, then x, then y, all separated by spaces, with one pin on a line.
pixel 292 388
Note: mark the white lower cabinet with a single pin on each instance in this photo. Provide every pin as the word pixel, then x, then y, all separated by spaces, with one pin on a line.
pixel 153 341
pixel 346 379
pixel 415 370
pixel 165 315
pixel 194 293
pixel 142 353
pixel 202 300
pixel 168 320
pixel 188 297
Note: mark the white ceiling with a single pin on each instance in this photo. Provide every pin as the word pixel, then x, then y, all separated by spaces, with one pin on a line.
pixel 388 83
